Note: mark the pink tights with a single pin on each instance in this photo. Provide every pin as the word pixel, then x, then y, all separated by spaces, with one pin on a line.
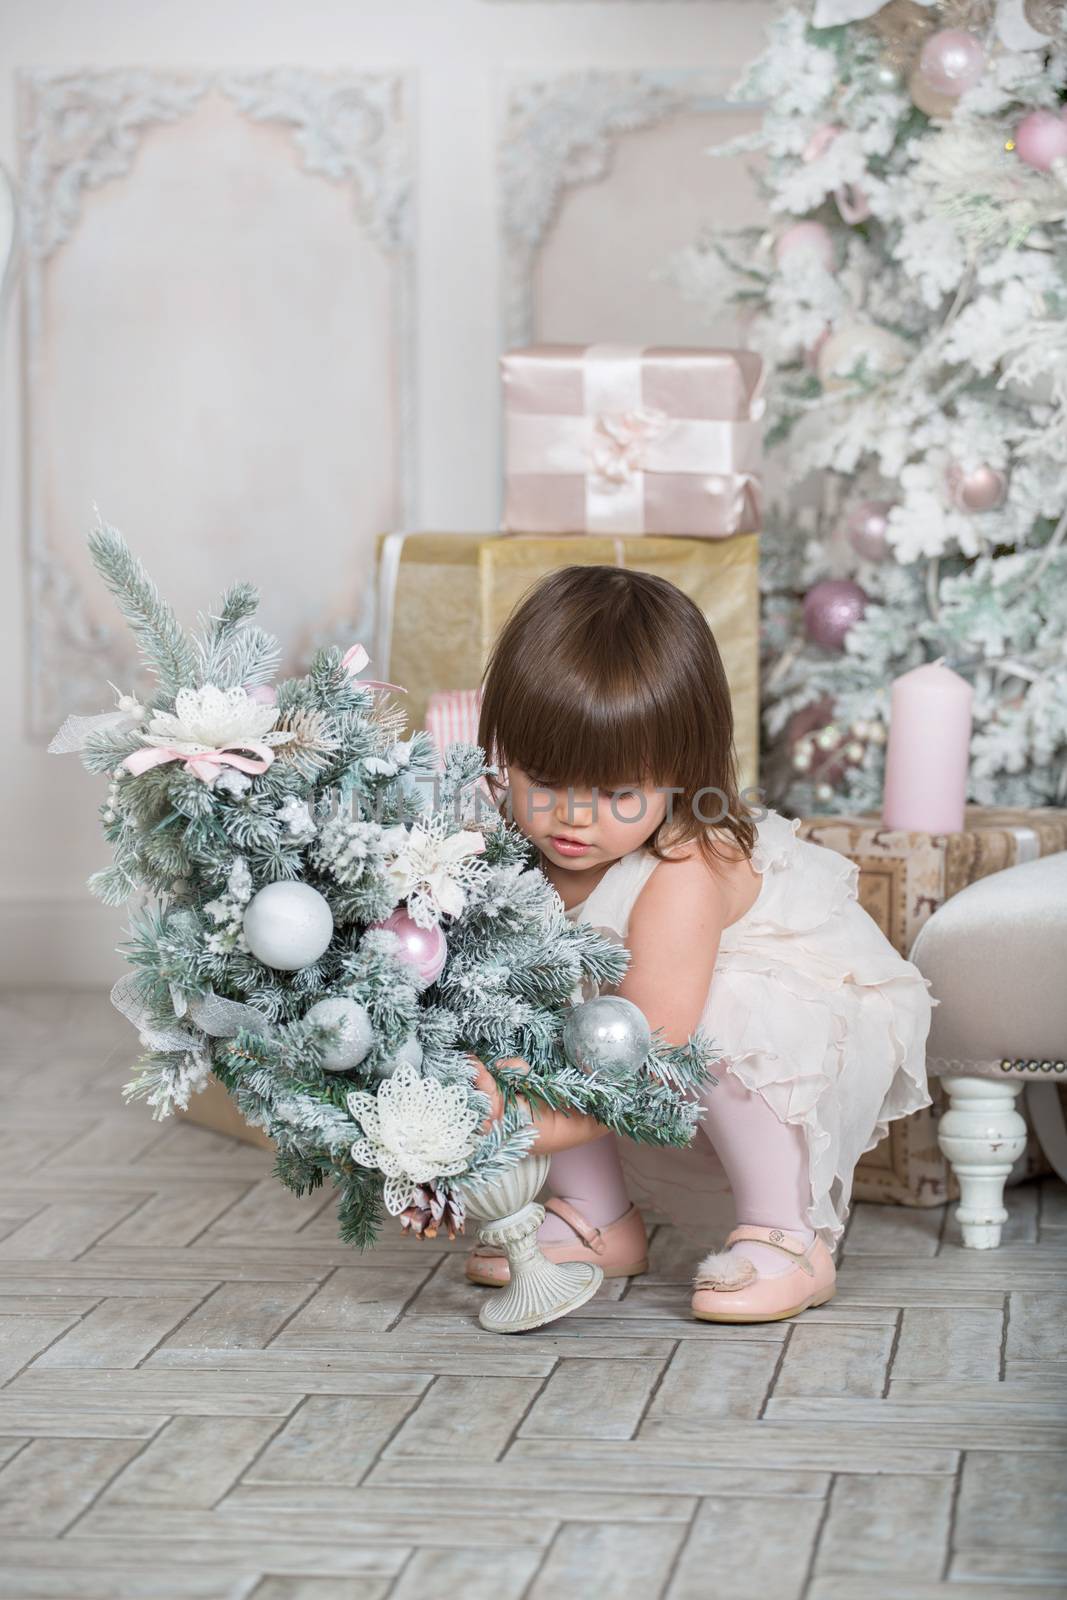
pixel 764 1158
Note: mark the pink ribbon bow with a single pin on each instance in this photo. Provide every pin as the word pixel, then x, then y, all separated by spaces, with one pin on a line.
pixel 207 764
pixel 618 448
pixel 355 659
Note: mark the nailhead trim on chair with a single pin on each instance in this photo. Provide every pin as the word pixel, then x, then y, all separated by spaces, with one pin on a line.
pixel 1032 1066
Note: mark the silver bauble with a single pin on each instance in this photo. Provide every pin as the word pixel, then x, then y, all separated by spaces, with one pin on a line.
pixel 409 1052
pixel 356 1033
pixel 609 1035
pixel 288 925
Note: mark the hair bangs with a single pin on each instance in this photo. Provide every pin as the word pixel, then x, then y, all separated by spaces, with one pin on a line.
pixel 597 736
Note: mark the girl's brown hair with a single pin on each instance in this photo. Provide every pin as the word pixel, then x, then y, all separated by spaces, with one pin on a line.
pixel 603 677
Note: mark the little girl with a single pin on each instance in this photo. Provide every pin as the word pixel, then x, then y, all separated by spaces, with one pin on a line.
pixel 606 701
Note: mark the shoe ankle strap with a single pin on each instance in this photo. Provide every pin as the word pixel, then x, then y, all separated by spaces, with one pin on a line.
pixel 778 1240
pixel 590 1236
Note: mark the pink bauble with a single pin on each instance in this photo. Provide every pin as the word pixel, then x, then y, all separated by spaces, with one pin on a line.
pixel 852 203
pixel 264 694
pixel 424 948
pixel 929 99
pixel 952 61
pixel 1041 139
pixel 830 610
pixel 867 526
pixel 811 238
pixel 981 489
pixel 820 141
pixel 859 346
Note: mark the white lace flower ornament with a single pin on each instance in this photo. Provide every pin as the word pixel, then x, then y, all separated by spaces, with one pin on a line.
pixel 432 867
pixel 414 1130
pixel 206 729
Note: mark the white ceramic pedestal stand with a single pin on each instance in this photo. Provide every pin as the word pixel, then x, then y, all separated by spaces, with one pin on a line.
pixel 539 1290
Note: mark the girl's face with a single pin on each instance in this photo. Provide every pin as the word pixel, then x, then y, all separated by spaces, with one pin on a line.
pixel 602 824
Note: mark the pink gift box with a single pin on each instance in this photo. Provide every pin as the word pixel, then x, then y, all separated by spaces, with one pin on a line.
pixel 623 439
pixel 452 718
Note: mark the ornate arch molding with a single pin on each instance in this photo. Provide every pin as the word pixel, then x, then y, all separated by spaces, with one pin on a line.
pixel 82 130
pixel 561 131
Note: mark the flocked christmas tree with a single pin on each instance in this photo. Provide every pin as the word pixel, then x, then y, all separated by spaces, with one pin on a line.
pixel 332 928
pixel 911 302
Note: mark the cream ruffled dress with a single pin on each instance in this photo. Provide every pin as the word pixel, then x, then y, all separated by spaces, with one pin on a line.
pixel 810 1006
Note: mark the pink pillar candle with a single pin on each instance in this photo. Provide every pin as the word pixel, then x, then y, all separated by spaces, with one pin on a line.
pixel 928 750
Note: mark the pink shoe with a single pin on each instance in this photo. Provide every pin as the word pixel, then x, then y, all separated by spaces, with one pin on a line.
pixel 621 1247
pixel 729 1288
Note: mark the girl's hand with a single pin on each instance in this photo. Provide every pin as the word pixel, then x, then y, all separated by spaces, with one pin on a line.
pixel 557 1130
pixel 487 1084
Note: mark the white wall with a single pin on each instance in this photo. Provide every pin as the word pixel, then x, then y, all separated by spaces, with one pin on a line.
pixel 585 275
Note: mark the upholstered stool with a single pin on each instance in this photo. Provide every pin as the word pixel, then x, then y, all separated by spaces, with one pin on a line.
pixel 996 958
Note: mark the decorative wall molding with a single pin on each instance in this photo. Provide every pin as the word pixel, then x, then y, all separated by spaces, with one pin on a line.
pixel 562 130
pixel 82 130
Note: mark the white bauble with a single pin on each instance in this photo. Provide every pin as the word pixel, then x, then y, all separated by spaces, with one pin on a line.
pixel 880 351
pixel 410 1052
pixel 356 1036
pixel 288 925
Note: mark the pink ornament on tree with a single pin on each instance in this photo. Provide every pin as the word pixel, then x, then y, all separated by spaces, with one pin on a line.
pixel 831 609
pixel 866 525
pixel 808 238
pixel 263 694
pixel 928 99
pixel 1041 140
pixel 952 62
pixel 425 949
pixel 820 141
pixel 981 489
pixel 852 203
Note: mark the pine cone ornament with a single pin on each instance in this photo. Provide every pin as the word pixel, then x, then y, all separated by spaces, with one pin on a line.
pixel 432 1207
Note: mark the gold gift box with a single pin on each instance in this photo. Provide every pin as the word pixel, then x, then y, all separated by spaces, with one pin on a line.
pixel 443 598
pixel 904 877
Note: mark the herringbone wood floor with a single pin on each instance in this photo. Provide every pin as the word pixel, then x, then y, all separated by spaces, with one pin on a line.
pixel 205 1395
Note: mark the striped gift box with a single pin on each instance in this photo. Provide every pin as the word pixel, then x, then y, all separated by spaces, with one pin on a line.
pixel 452 718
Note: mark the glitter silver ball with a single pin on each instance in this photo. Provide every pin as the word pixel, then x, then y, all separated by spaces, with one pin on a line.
pixel 609 1035
pixel 356 1035
pixel 409 1052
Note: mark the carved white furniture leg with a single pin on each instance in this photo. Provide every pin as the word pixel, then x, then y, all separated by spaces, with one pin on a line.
pixel 982 1135
pixel 538 1290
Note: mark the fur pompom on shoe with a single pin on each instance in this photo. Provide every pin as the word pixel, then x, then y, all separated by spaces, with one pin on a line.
pixel 724 1269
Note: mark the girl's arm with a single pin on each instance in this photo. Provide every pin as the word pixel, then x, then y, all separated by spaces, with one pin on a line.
pixel 673 937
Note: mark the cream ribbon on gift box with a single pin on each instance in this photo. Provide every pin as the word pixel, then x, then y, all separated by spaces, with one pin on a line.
pixel 618 440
